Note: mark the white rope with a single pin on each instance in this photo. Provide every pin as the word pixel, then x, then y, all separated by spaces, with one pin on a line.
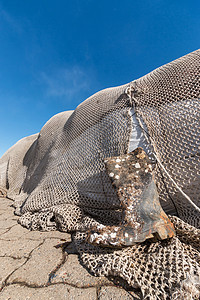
pixel 128 91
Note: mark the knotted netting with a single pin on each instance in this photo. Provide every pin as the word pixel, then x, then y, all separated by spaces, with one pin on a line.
pixel 58 180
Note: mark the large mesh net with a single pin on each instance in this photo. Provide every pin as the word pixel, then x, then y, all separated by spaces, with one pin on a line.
pixel 169 105
pixel 58 180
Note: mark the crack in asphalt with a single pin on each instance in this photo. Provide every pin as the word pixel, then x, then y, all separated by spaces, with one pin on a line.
pixel 4 283
pixel 87 286
pixel 59 265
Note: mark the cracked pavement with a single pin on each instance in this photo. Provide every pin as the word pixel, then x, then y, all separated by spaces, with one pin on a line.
pixel 44 265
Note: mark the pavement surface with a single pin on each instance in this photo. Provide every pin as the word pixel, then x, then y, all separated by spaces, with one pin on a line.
pixel 44 265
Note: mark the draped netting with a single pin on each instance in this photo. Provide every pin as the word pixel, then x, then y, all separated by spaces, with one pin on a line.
pixel 58 180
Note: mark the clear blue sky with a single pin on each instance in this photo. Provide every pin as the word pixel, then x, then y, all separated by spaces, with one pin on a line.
pixel 54 54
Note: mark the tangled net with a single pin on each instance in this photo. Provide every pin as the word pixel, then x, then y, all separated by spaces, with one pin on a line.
pixel 58 180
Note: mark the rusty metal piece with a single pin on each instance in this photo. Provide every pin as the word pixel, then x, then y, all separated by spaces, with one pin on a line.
pixel 142 215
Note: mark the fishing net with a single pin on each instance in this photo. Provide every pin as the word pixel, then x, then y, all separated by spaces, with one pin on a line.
pixel 58 179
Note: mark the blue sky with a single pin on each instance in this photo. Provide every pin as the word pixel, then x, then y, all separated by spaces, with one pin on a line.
pixel 55 54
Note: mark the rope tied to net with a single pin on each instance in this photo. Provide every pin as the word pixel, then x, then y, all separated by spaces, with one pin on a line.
pixel 133 92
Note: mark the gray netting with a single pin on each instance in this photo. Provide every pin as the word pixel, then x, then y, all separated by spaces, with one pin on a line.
pixel 58 180
pixel 158 269
pixel 169 105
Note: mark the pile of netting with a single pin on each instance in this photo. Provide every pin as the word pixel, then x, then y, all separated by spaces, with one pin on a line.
pixel 58 180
